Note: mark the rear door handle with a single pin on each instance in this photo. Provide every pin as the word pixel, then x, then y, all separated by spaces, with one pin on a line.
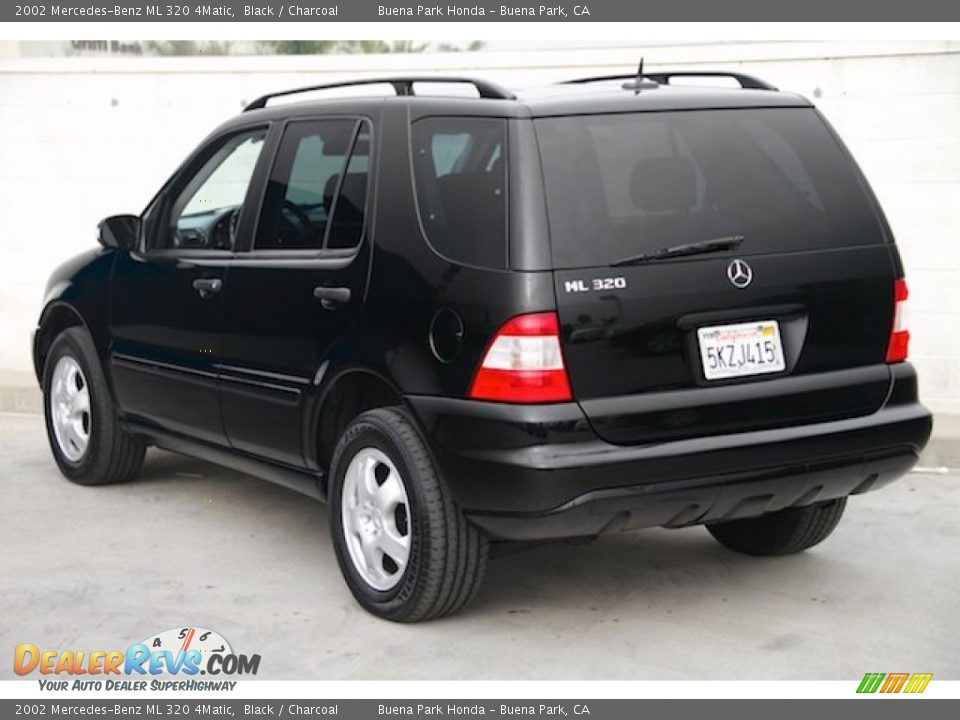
pixel 331 297
pixel 207 286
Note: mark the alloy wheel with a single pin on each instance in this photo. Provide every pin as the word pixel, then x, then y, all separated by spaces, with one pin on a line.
pixel 70 408
pixel 375 513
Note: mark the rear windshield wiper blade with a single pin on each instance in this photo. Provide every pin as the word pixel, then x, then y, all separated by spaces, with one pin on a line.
pixel 694 248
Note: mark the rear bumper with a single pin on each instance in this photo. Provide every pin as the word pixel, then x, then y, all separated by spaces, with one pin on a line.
pixel 537 472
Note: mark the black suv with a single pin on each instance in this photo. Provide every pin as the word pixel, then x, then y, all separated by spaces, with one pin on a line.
pixel 603 306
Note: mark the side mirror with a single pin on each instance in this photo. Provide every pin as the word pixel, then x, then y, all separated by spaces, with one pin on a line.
pixel 119 232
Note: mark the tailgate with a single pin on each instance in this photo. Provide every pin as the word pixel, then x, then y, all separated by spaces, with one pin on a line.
pixel 716 271
pixel 633 351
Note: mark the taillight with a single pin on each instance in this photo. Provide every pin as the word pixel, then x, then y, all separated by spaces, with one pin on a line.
pixel 524 364
pixel 899 333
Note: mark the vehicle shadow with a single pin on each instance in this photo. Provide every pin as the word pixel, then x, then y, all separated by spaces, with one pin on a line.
pixel 657 568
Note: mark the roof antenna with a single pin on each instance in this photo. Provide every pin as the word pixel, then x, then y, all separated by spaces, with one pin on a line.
pixel 640 82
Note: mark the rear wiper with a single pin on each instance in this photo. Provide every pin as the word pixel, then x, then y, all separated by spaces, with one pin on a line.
pixel 694 248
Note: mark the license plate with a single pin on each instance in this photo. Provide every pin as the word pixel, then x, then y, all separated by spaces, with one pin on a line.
pixel 741 350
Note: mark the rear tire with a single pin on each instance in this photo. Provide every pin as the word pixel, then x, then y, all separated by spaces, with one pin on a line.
pixel 86 439
pixel 413 556
pixel 781 533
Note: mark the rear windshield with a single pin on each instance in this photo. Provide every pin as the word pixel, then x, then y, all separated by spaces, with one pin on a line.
pixel 619 185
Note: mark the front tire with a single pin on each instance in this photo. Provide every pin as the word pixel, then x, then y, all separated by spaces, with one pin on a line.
pixel 405 550
pixel 780 533
pixel 86 439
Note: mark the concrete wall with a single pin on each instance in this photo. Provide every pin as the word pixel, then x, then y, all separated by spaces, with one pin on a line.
pixel 83 138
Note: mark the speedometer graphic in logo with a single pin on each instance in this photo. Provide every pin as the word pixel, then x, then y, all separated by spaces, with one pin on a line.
pixel 182 640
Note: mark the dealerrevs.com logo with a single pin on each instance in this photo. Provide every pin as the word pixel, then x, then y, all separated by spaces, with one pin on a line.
pixel 153 664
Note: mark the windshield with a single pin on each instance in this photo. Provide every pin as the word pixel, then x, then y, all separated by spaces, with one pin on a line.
pixel 619 185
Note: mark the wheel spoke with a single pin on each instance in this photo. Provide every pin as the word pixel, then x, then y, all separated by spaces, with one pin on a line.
pixel 371 553
pixel 60 383
pixel 370 475
pixel 352 487
pixel 81 402
pixel 353 543
pixel 391 493
pixel 398 548
pixel 73 437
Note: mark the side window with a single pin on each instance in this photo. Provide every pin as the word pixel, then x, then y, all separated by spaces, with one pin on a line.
pixel 349 210
pixel 460 176
pixel 316 195
pixel 204 215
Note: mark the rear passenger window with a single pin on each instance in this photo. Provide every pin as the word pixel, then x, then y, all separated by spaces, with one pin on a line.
pixel 348 212
pixel 317 193
pixel 461 188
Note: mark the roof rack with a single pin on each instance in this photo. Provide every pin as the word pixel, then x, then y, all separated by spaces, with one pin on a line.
pixel 401 85
pixel 748 82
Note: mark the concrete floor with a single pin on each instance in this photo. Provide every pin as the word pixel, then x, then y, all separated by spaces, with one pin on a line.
pixel 189 543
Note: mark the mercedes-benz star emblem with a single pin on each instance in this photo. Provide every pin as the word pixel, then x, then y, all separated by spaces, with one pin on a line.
pixel 739 273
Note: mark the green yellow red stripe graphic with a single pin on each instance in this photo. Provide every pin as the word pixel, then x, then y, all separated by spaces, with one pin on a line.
pixel 894 682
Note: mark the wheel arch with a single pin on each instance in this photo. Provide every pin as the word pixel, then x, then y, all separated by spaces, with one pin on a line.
pixel 56 317
pixel 349 393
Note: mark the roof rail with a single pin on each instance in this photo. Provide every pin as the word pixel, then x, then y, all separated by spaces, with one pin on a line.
pixel 748 82
pixel 401 85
